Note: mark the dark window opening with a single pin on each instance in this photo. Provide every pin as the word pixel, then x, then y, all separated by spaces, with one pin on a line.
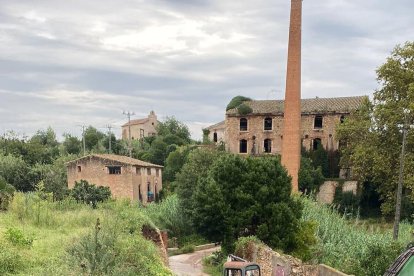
pixel 139 194
pixel 114 170
pixel 317 143
pixel 157 172
pixel 268 123
pixel 318 121
pixel 243 146
pixel 148 171
pixel 79 168
pixel 342 119
pixel 243 124
pixel 138 171
pixel 215 139
pixel 141 133
pixel 267 146
pixel 150 194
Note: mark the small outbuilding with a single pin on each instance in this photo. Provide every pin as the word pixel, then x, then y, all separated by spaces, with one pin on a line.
pixel 126 177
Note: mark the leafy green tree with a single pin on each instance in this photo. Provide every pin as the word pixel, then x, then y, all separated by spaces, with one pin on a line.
pixel 174 162
pixel 373 136
pixel 71 144
pixel 16 172
pixel 309 178
pixel 197 167
pixel 228 196
pixel 6 193
pixel 93 137
pixel 89 193
pixel 172 127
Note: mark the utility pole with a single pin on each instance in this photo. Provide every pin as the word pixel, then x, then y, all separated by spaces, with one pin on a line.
pixel 129 114
pixel 110 138
pixel 83 139
pixel 405 128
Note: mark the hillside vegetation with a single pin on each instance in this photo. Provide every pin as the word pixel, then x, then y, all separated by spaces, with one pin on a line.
pixel 42 237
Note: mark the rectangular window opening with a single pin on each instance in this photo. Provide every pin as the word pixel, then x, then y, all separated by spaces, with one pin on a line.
pixel 114 170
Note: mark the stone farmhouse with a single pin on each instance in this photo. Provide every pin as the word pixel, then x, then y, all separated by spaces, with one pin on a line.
pixel 126 177
pixel 261 131
pixel 217 132
pixel 140 128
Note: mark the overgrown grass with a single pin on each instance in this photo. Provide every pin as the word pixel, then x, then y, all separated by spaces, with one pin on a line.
pixel 349 247
pixel 36 235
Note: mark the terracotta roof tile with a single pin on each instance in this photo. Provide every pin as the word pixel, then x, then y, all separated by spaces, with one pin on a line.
pixel 314 105
pixel 216 126
pixel 137 122
pixel 119 158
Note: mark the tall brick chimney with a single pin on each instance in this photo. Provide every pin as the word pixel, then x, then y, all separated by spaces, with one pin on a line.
pixel 291 145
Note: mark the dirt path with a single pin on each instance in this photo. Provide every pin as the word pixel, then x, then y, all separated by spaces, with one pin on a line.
pixel 190 264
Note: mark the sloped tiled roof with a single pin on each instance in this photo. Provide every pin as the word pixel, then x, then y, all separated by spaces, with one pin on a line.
pixel 216 126
pixel 137 122
pixel 314 105
pixel 119 158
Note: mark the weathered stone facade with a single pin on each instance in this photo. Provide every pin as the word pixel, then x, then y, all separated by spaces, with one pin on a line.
pixel 319 119
pixel 126 177
pixel 141 127
pixel 216 132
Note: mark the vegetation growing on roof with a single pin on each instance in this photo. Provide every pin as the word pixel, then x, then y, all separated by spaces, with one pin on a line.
pixel 236 102
pixel 244 109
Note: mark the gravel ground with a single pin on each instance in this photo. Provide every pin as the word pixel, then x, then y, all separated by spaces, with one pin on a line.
pixel 190 264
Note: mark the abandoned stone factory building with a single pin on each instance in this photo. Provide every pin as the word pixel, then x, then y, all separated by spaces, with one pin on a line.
pixel 126 177
pixel 261 131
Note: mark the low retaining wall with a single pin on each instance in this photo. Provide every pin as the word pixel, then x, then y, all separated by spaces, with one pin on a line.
pixel 274 264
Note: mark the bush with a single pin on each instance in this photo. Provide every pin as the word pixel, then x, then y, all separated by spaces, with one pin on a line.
pixel 236 101
pixel 16 237
pixel 244 109
pixel 89 193
pixel 6 193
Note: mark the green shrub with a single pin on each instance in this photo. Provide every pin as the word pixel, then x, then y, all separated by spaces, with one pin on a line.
pixel 236 101
pixel 89 193
pixel 6 193
pixel 188 248
pixel 378 257
pixel 10 260
pixel 244 109
pixel 17 237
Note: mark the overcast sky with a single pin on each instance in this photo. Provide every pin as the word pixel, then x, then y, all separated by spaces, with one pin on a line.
pixel 68 63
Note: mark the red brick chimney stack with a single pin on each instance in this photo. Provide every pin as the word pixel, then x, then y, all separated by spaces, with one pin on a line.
pixel 291 145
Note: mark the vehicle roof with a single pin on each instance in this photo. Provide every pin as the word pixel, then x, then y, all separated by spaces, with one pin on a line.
pixel 240 265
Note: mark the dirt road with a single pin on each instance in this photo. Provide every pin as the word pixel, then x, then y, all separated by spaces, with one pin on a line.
pixel 190 264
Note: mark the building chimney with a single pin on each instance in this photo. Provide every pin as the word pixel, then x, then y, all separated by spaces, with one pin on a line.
pixel 291 145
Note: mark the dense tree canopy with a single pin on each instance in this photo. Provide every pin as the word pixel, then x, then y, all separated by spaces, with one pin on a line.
pixel 228 196
pixel 373 135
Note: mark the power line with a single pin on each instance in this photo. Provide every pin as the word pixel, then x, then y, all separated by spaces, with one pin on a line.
pixel 110 137
pixel 129 114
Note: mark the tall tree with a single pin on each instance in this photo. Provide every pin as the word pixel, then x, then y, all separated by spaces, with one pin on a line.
pixel 373 134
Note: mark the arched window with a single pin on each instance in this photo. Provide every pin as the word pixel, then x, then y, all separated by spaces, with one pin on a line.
pixel 318 123
pixel 267 146
pixel 243 146
pixel 317 143
pixel 215 137
pixel 268 123
pixel 243 124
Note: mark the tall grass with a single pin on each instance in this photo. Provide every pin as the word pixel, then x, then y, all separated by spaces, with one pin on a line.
pixel 345 245
pixel 57 226
pixel 168 215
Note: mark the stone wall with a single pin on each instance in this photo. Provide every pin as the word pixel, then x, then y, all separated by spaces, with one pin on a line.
pixel 132 181
pixel 272 263
pixel 256 128
pixel 327 190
